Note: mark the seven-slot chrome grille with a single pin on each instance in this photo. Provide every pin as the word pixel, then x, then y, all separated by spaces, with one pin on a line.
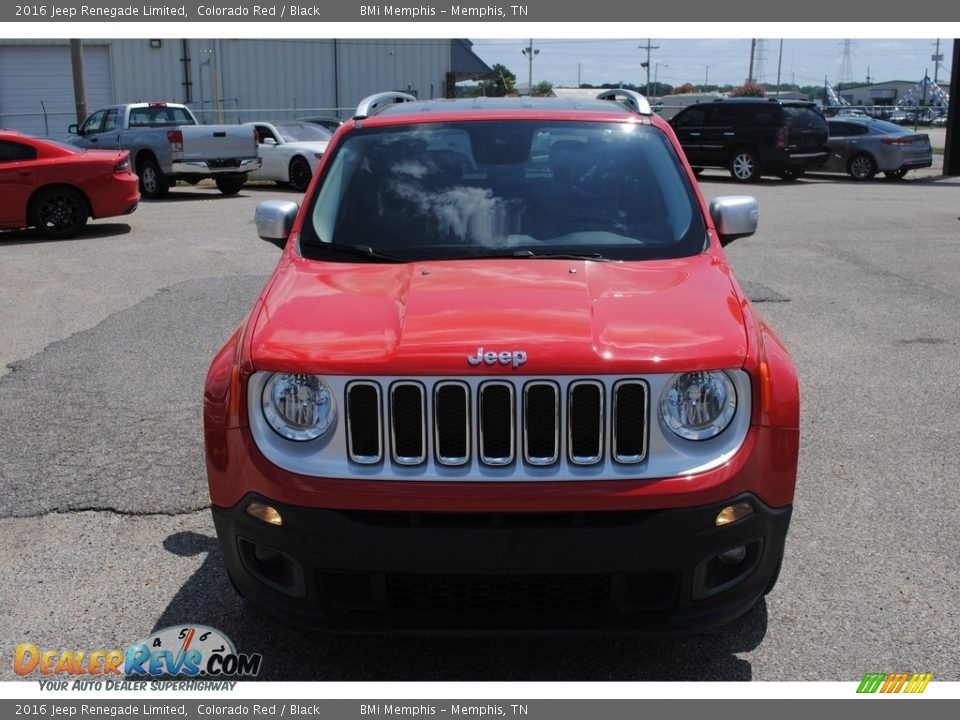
pixel 497 423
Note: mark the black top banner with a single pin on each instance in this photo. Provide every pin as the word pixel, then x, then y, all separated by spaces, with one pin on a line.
pixel 524 11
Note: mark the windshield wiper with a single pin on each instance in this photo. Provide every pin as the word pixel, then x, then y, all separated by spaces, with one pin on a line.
pixel 364 251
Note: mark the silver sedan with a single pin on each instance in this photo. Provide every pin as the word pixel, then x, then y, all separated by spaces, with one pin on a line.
pixel 862 147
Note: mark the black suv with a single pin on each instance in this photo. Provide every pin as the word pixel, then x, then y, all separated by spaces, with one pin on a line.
pixel 753 136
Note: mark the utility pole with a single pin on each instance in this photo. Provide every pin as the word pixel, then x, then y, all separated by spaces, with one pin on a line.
pixel 648 47
pixel 530 52
pixel 937 57
pixel 779 66
pixel 753 49
pixel 79 87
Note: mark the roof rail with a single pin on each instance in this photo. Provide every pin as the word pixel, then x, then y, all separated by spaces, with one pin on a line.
pixel 631 98
pixel 372 104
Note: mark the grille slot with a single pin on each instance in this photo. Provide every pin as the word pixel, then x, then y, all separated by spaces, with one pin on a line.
pixel 585 422
pixel 497 431
pixel 364 431
pixel 408 423
pixel 541 423
pixel 451 417
pixel 629 421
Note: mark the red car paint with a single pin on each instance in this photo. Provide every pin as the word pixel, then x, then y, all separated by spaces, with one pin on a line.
pixel 102 178
pixel 571 317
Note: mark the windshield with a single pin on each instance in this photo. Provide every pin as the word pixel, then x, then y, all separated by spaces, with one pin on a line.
pixel 523 188
pixel 301 131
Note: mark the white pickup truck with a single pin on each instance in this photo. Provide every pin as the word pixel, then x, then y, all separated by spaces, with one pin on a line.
pixel 167 144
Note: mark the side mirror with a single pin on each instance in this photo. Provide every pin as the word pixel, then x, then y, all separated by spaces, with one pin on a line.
pixel 274 220
pixel 734 216
pixel 268 141
pixel 74 129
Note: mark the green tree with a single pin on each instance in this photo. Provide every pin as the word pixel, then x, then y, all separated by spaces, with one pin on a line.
pixel 502 83
pixel 685 88
pixel 542 89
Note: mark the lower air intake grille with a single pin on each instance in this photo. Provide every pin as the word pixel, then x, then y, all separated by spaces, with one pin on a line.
pixel 498 594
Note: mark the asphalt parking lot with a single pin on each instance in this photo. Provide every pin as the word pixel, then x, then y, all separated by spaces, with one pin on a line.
pixel 105 535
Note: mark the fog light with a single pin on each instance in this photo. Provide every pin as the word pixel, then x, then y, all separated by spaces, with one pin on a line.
pixel 264 513
pixel 733 556
pixel 732 513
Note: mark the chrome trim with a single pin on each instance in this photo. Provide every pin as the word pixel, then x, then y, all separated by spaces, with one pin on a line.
pixel 451 461
pixel 408 459
pixel 667 454
pixel 630 459
pixel 497 461
pixel 584 459
pixel 365 459
pixel 556 424
pixel 185 166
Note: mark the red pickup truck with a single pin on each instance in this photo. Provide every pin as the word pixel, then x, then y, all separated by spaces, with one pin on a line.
pixel 503 377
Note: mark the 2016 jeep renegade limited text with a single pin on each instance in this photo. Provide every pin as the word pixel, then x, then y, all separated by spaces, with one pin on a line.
pixel 503 378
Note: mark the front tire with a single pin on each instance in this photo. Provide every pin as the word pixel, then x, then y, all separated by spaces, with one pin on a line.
pixel 861 167
pixel 230 185
pixel 300 173
pixel 59 212
pixel 744 166
pixel 153 184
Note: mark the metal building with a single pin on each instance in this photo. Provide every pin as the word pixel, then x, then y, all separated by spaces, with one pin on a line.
pixel 224 80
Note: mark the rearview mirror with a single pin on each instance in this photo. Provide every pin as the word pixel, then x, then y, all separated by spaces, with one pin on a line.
pixel 734 216
pixel 274 220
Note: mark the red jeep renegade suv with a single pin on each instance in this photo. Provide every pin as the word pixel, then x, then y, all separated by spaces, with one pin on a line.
pixel 503 378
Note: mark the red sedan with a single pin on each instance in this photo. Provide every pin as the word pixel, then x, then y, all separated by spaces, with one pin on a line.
pixel 56 188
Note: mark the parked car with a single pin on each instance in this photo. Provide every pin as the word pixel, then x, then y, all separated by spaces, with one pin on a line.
pixel 167 144
pixel 289 151
pixel 503 378
pixel 328 123
pixel 56 188
pixel 753 136
pixel 862 147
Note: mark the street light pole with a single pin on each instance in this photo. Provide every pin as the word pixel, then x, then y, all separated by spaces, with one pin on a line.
pixel 530 52
pixel 656 83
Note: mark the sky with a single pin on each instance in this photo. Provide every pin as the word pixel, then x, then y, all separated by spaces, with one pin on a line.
pixel 720 61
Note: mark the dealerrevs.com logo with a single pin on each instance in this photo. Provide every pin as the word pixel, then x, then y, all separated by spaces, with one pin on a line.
pixel 910 683
pixel 191 651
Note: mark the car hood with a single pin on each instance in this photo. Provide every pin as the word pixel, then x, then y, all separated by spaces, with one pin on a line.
pixel 564 316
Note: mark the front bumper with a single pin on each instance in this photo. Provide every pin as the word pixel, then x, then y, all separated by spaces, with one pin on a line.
pixel 398 572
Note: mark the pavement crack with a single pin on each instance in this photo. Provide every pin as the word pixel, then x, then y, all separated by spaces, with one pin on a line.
pixel 114 511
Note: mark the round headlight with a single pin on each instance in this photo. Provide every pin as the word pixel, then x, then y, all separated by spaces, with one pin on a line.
pixel 299 407
pixel 698 405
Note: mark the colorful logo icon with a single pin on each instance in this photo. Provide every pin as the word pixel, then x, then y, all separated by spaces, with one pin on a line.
pixel 190 651
pixel 895 682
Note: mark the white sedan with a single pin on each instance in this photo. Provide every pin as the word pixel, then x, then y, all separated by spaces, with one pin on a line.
pixel 290 151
